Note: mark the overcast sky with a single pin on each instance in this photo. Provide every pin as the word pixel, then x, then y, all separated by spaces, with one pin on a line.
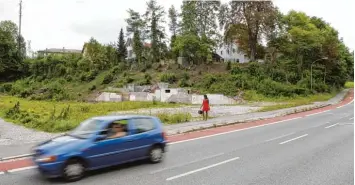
pixel 70 23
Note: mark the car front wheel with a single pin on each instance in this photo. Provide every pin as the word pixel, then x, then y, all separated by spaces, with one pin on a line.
pixel 156 154
pixel 73 170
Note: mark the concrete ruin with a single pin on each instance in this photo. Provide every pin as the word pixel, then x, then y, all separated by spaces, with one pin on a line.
pixel 109 97
pixel 162 93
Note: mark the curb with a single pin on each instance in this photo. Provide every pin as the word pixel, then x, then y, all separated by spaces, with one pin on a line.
pixel 234 122
pixel 16 157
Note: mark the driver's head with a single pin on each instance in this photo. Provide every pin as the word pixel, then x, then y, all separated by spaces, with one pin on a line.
pixel 118 127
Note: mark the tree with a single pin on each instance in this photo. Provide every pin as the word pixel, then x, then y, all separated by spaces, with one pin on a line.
pixel 173 21
pixel 11 64
pixel 154 18
pixel 254 17
pixel 173 27
pixel 121 48
pixel 96 55
pixel 136 27
pixel 305 41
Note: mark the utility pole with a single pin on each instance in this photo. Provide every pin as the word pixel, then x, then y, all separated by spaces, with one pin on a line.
pixel 19 30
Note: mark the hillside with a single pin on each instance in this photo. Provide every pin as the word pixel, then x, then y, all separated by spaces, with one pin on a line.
pixel 258 81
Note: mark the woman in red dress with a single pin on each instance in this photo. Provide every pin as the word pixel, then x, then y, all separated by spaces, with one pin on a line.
pixel 205 107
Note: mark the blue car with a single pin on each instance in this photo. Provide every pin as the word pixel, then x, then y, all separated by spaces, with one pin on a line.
pixel 101 142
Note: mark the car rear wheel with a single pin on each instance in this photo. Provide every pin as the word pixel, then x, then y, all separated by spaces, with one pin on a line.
pixel 156 154
pixel 73 170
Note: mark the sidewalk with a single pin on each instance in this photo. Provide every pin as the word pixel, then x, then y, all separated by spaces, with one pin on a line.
pixel 198 125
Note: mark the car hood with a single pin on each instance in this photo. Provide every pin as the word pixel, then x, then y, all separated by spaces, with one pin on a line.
pixel 57 144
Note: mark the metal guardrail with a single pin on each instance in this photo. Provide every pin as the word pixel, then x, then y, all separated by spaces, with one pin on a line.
pixel 15 157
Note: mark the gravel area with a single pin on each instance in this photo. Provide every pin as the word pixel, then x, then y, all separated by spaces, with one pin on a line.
pixel 15 134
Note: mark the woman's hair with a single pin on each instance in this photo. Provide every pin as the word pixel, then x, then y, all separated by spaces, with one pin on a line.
pixel 205 96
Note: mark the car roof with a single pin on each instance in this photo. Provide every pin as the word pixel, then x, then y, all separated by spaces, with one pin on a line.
pixel 120 117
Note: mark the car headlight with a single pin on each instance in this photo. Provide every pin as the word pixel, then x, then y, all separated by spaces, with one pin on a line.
pixel 47 159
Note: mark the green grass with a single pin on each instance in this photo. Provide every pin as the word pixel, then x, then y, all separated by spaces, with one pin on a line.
pixel 298 101
pixel 174 118
pixel 53 116
pixel 349 85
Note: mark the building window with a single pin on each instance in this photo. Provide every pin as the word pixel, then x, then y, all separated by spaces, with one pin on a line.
pixel 221 52
pixel 227 51
pixel 238 60
pixel 233 50
pixel 167 91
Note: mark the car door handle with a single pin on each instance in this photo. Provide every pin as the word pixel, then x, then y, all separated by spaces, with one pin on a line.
pixel 130 140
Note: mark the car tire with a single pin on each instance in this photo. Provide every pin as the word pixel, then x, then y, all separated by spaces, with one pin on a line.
pixel 156 154
pixel 73 170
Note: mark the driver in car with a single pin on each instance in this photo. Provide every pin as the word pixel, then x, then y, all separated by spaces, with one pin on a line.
pixel 117 130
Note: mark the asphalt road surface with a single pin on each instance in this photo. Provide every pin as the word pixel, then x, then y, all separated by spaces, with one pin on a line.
pixel 315 150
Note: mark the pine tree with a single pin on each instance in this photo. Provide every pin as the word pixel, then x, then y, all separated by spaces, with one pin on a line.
pixel 154 17
pixel 121 47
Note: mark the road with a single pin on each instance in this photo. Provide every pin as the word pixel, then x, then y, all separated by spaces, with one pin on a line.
pixel 317 149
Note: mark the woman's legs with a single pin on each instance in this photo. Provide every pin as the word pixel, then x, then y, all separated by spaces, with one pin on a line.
pixel 205 115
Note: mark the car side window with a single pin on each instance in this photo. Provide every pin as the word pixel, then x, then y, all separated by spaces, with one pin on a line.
pixel 143 124
pixel 117 129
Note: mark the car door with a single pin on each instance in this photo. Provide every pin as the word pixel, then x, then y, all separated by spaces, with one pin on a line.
pixel 109 151
pixel 143 136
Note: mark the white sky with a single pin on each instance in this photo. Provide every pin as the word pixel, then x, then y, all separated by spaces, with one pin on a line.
pixel 70 23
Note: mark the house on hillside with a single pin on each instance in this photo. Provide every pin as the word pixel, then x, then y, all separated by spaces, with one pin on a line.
pixel 56 51
pixel 231 52
pixel 130 53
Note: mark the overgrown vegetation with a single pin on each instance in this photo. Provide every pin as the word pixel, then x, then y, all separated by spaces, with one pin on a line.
pixel 63 116
pixel 297 101
pixel 349 85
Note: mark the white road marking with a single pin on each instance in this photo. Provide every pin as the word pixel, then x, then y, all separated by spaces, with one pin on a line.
pixel 157 171
pixel 351 118
pixel 332 125
pixel 345 104
pixel 201 169
pixel 2 173
pixel 317 113
pixel 279 137
pixel 16 157
pixel 232 131
pixel 22 169
pixel 293 139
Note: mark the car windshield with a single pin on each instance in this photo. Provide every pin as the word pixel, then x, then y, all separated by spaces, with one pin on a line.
pixel 86 129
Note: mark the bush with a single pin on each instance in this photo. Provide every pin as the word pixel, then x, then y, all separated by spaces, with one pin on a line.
pixel 349 85
pixel 174 118
pixel 107 79
pixel 5 88
pixel 229 66
pixel 93 87
pixel 168 78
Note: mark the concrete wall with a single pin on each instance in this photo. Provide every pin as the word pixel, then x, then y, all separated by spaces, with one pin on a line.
pixel 164 94
pixel 141 96
pixel 109 97
pixel 215 99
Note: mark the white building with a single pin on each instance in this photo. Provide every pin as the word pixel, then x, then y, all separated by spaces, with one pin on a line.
pixel 231 52
pixel 129 46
